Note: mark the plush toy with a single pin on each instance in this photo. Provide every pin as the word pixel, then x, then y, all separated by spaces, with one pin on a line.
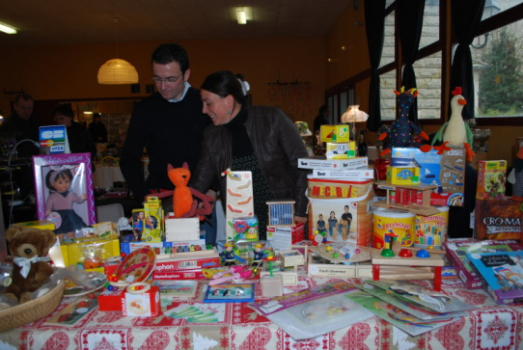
pixel 402 130
pixel 457 133
pixel 184 204
pixel 28 248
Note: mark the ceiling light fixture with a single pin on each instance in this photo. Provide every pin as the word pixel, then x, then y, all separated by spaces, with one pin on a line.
pixel 7 29
pixel 117 71
pixel 241 15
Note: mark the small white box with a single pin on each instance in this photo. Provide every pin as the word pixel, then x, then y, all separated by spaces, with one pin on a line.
pixel 182 229
pixel 291 258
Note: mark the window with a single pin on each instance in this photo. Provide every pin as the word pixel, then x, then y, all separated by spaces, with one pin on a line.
pixel 497 58
pixel 428 77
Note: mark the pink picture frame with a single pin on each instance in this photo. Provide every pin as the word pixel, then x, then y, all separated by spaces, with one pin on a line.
pixel 77 169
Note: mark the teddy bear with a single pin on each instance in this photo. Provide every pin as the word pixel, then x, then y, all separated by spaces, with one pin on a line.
pixel 28 248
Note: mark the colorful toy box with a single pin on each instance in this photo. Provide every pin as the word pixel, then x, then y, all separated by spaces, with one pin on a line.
pixel 100 247
pixel 246 228
pixel 144 304
pixel 404 175
pixel 447 171
pixel 491 179
pixel 153 220
pixel 340 150
pixel 498 218
pixel 282 237
pixel 334 133
pixel 337 200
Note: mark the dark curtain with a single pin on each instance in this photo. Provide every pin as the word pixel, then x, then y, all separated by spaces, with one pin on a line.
pixel 410 18
pixel 466 17
pixel 374 27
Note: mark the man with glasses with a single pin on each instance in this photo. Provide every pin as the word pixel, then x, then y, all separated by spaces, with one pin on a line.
pixel 169 124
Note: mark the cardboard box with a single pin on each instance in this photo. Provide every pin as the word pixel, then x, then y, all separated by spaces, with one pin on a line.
pixel 282 237
pixel 182 229
pixel 334 133
pixel 192 274
pixel 341 150
pixel 159 248
pixel 103 247
pixel 492 177
pixel 498 218
pixel 39 224
pixel 188 261
pixel 403 175
pixel 145 304
pixel 447 171
pixel 322 163
pixel 153 221
pixel 102 229
pixel 110 301
pixel 356 174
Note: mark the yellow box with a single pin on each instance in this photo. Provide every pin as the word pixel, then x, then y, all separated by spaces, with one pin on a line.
pixel 40 224
pixel 103 247
pixel 341 150
pixel 153 220
pixel 334 133
pixel 492 175
pixel 399 175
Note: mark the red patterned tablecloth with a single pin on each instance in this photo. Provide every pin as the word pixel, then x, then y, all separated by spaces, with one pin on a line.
pixel 240 328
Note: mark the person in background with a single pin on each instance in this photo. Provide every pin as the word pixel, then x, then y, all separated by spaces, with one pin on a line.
pixel 23 125
pixel 97 129
pixel 259 139
pixel 321 119
pixel 79 138
pixel 169 124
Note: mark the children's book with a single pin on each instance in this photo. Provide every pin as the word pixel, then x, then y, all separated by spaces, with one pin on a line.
pixel 181 289
pixel 230 293
pixel 457 250
pixel 501 273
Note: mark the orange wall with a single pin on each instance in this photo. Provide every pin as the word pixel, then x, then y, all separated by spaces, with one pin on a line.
pixel 69 72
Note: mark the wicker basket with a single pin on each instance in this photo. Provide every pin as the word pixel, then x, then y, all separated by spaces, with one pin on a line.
pixel 31 311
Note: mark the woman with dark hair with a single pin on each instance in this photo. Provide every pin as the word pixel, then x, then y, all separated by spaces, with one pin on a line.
pixel 79 138
pixel 259 139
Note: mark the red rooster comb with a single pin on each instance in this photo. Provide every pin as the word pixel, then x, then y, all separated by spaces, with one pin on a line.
pixel 457 91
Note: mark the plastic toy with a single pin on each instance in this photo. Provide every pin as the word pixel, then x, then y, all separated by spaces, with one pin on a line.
pixel 456 133
pixel 227 254
pixel 401 131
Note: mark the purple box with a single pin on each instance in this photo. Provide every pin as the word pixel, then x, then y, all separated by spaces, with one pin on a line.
pixel 457 250
pixel 64 190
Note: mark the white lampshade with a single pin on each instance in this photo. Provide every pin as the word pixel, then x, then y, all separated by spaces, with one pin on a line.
pixel 117 71
pixel 354 115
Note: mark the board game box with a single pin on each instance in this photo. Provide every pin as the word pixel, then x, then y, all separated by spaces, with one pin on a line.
pixel 501 274
pixel 456 251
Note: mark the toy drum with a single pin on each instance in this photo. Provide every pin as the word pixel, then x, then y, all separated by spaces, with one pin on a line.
pixel 431 231
pixel 399 226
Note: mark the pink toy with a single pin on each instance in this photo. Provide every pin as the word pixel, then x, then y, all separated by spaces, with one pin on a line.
pixel 233 276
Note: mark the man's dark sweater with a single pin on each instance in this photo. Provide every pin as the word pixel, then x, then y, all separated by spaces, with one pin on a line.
pixel 171 134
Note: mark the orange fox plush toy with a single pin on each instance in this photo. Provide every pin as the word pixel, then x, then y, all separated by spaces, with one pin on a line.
pixel 184 205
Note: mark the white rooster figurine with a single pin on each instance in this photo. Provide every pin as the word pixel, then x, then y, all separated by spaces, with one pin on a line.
pixel 457 133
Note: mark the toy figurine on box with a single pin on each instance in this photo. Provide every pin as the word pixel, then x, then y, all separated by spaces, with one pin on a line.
pixel 227 254
pixel 258 253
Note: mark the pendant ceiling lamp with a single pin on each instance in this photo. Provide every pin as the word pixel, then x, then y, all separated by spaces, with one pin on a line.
pixel 117 71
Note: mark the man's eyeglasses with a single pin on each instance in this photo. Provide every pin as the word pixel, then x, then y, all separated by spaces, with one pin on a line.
pixel 170 80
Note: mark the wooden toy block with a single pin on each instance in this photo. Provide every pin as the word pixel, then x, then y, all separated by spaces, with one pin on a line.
pixel 407 268
pixel 291 258
pixel 405 198
pixel 272 286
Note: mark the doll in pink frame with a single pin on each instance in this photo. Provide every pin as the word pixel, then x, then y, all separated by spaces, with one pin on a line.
pixel 60 201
